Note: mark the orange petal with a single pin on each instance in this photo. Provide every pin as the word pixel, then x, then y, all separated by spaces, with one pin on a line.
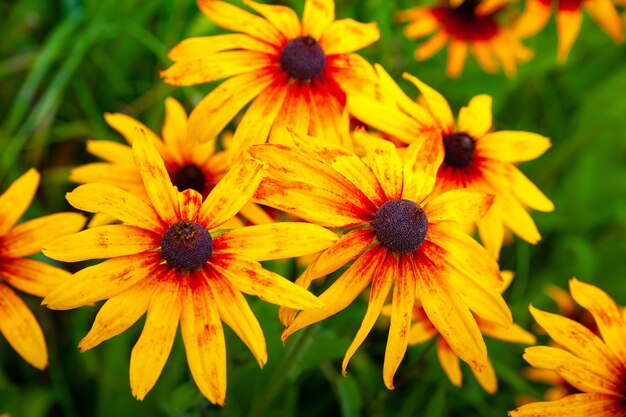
pixel 475 118
pixel 383 159
pixel 117 203
pixel 295 113
pixel 119 313
pixel 501 48
pixel 605 15
pixel 159 188
pixel 249 277
pixel 275 240
pixel 457 54
pixel 219 107
pixel 190 204
pixel 102 242
pixel 102 281
pixel 568 24
pixel 329 116
pixel 401 314
pixel 343 291
pixel 484 56
pixel 201 46
pixel 347 35
pixel 235 311
pixel 29 237
pixel 583 405
pixel 317 16
pixel 606 314
pixel 16 199
pixel 235 19
pixel 31 276
pixel 283 18
pixel 19 326
pixel 433 45
pixel 421 163
pixel 381 284
pixel 153 347
pixel 422 23
pixel 449 362
pixel 534 18
pixel 512 146
pixel 203 336
pixel 230 194
pixel 460 206
pixel 437 104
pixel 449 314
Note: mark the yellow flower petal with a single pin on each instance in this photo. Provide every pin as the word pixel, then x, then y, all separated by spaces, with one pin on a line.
pixel 295 114
pixel 317 16
pixel 433 45
pixel 117 203
pixel 236 313
pixel 119 313
pixel 534 18
pixel 381 284
pixel 568 24
pixel 512 146
pixel 126 126
pixel 420 332
pixel 174 131
pixel 484 56
pixel 329 116
pixel 605 15
pixel 190 204
pixel 383 159
pixel 201 46
pixel 421 163
pixel 102 242
pixel 31 276
pixel 457 54
pixel 486 377
pixel 437 104
pixel 460 206
pixel 231 193
pixel 114 152
pixel 124 176
pixel 275 241
pixel 16 199
pixel 475 118
pixel 347 35
pixel 490 229
pixel 283 18
pixel 204 338
pixel 153 347
pixel 102 281
pixel 249 277
pixel 449 362
pixel 512 333
pixel 527 192
pixel 576 405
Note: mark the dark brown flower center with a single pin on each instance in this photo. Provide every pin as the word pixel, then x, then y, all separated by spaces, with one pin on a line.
pixel 189 177
pixel 466 11
pixel 303 58
pixel 186 245
pixel 459 149
pixel 400 225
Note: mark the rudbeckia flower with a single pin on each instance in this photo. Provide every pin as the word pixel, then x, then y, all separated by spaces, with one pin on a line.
pixel 475 157
pixel 471 25
pixel 18 241
pixel 569 18
pixel 190 165
pixel 296 74
pixel 169 258
pixel 397 233
pixel 423 330
pixel 594 365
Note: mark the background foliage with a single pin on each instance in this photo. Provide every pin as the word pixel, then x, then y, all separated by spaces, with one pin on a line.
pixel 64 63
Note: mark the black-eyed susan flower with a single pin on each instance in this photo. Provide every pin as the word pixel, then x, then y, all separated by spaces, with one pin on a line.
pixel 423 330
pixel 398 235
pixel 594 365
pixel 475 157
pixel 569 18
pixel 296 74
pixel 470 25
pixel 189 164
pixel 167 259
pixel 18 241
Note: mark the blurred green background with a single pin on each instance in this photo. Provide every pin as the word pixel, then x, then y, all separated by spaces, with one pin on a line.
pixel 64 63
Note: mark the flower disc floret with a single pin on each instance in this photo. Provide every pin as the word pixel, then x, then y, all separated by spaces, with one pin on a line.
pixel 459 149
pixel 186 245
pixel 303 58
pixel 189 176
pixel 400 225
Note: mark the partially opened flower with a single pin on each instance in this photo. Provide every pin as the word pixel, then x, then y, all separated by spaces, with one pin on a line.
pixel 296 74
pixel 422 330
pixel 169 258
pixel 397 233
pixel 569 18
pixel 18 241
pixel 470 25
pixel 190 165
pixel 475 158
pixel 594 365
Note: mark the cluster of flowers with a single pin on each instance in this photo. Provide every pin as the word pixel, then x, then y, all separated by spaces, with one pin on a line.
pixel 183 227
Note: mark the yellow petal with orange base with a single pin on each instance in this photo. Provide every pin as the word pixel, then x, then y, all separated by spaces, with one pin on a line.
pixel 31 276
pixel 576 405
pixel 421 163
pixel 150 353
pixel 382 158
pixel 19 326
pixel 16 199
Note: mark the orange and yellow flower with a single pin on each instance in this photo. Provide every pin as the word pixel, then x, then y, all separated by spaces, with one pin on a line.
pixel 568 20
pixel 296 74
pixel 190 165
pixel 170 258
pixel 18 241
pixel 397 233
pixel 422 330
pixel 595 366
pixel 466 25
pixel 475 157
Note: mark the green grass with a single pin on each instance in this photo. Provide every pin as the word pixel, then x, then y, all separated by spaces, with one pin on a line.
pixel 64 64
